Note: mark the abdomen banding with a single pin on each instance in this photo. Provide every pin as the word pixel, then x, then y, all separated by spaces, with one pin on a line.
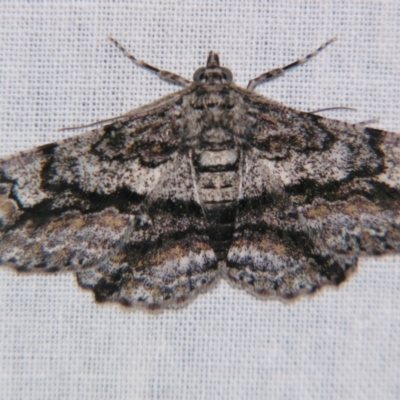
pixel 217 183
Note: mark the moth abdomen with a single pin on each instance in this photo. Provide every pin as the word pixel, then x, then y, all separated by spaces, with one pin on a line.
pixel 217 182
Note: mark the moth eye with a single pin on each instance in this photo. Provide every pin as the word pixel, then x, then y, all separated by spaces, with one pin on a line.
pixel 199 74
pixel 228 76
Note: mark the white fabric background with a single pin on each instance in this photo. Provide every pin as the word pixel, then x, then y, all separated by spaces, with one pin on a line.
pixel 58 69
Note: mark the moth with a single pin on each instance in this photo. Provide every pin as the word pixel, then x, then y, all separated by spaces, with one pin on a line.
pixel 151 208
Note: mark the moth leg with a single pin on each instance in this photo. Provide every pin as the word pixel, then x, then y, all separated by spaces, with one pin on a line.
pixel 279 71
pixel 166 75
pixel 362 123
pixel 369 122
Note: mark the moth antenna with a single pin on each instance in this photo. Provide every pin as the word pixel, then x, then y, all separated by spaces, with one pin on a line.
pixel 168 76
pixel 333 108
pixel 279 71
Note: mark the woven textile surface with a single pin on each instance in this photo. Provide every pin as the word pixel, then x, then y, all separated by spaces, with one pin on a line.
pixel 58 69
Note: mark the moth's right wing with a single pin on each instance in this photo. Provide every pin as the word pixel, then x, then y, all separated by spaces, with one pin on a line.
pixel 115 205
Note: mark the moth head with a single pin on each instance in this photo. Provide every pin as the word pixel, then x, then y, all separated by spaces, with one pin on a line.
pixel 213 72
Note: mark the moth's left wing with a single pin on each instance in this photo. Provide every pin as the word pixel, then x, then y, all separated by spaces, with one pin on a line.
pixel 317 193
pixel 114 205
